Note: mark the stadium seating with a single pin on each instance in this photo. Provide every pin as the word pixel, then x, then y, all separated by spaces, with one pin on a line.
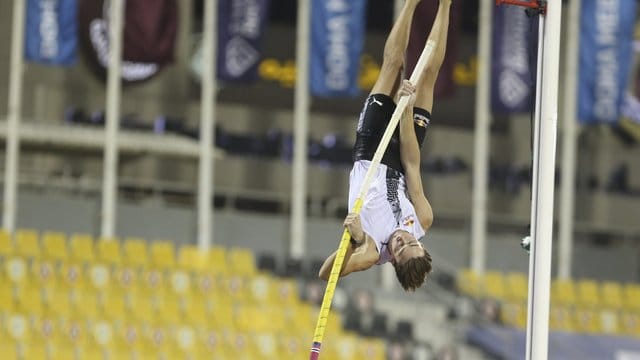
pixel 77 297
pixel 582 306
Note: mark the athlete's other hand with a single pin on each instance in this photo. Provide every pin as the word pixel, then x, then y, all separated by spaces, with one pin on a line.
pixel 408 89
pixel 352 223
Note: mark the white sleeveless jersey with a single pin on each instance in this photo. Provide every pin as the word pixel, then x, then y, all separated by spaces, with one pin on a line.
pixel 386 207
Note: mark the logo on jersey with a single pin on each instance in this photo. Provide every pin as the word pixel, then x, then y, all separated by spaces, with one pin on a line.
pixel 421 120
pixel 374 101
pixel 408 221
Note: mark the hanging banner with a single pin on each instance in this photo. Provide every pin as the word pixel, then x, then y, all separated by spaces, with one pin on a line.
pixel 513 59
pixel 423 18
pixel 149 35
pixel 337 37
pixel 241 28
pixel 630 121
pixel 51 31
pixel 605 58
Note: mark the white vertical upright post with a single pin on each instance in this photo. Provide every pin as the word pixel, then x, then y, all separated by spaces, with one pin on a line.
pixel 207 121
pixel 13 118
pixel 114 93
pixel 569 143
pixel 543 183
pixel 300 130
pixel 481 142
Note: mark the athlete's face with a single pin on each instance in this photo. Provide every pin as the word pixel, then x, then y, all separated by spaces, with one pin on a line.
pixel 404 246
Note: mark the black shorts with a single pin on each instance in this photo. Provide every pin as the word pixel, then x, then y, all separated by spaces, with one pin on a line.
pixel 374 118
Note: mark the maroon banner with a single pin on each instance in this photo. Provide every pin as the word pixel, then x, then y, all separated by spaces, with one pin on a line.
pixel 148 41
pixel 423 18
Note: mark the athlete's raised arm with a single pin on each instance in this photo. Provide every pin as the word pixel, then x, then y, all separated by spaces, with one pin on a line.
pixel 410 158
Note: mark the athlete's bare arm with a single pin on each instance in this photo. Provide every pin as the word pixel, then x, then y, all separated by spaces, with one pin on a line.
pixel 410 157
pixel 360 258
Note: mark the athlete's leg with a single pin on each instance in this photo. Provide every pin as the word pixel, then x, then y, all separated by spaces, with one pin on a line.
pixel 394 49
pixel 424 92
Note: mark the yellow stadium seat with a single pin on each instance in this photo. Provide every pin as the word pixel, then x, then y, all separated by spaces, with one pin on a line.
pixel 168 310
pixel 630 323
pixel 223 316
pixel 260 289
pixel 16 328
pixel 180 283
pixel 560 318
pixel 135 252
pixel 128 338
pixel 588 293
pixel 81 248
pixel 184 341
pixel 586 320
pixel 217 260
pixel 114 307
pixel 73 277
pixel 563 292
pixel 126 281
pixel 255 318
pixel 16 270
pixel 58 303
pixel 285 292
pixel 631 296
pixel 109 251
pixel 212 344
pixel 266 346
pixel 609 321
pixel 302 317
pixel 29 301
pixel 60 349
pixel 84 304
pixel 236 288
pixel 141 309
pixel 493 285
pixel 242 261
pixel 7 300
pixel 190 258
pixel 44 273
pixel 54 246
pixel 26 243
pixel 206 285
pixel 611 295
pixel 101 336
pixel 514 314
pixel 99 277
pixel 239 344
pixel 6 244
pixel 73 334
pixel 44 330
pixel 163 254
pixel 155 339
pixel 517 287
pixel 153 283
pixel 293 347
pixel 468 282
pixel 34 350
pixel 9 349
pixel 196 312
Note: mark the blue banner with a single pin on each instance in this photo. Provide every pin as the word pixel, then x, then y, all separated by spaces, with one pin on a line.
pixel 514 55
pixel 337 36
pixel 51 31
pixel 605 58
pixel 240 27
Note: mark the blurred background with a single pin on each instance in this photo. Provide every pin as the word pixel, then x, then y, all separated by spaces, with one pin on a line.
pixel 131 231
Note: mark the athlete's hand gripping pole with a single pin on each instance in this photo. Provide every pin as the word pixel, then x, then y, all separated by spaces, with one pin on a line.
pixel 373 167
